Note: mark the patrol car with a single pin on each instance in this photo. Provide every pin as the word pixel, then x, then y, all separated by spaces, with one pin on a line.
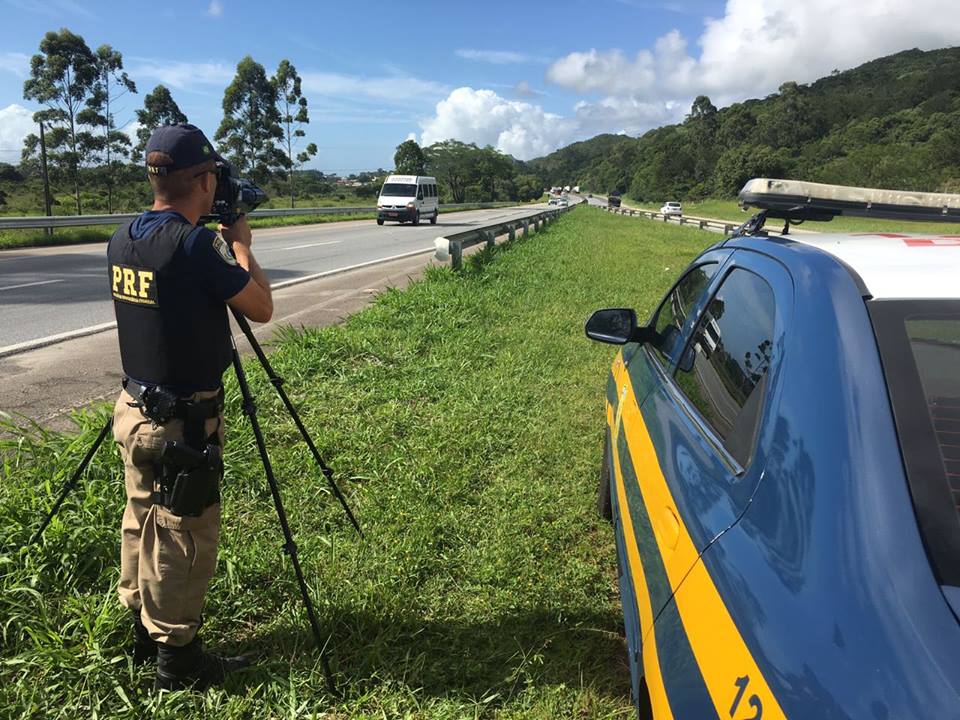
pixel 782 468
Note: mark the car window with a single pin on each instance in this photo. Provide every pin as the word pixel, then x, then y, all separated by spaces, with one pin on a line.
pixel 673 311
pixel 724 367
pixel 919 343
pixel 935 344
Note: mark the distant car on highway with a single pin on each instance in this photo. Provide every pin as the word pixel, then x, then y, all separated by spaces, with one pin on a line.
pixel 553 201
pixel 782 470
pixel 563 202
pixel 671 208
pixel 613 199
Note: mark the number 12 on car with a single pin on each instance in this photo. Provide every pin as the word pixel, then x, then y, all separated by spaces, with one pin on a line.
pixel 754 701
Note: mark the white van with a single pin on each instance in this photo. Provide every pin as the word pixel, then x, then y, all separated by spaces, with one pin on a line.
pixel 408 197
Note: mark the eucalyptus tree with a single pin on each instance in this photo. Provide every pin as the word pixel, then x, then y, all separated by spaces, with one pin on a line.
pixel 159 108
pixel 62 78
pixel 110 145
pixel 292 106
pixel 251 126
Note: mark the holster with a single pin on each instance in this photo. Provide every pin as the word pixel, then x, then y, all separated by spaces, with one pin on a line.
pixel 188 480
pixel 188 472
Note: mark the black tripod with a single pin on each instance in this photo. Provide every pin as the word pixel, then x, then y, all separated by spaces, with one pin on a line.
pixel 250 408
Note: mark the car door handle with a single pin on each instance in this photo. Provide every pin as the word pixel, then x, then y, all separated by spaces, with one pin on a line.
pixel 669 527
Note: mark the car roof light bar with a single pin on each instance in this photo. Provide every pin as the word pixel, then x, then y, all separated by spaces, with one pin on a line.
pixel 797 200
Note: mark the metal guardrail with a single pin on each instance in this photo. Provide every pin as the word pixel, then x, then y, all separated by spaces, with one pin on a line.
pixel 450 247
pixel 722 226
pixel 702 223
pixel 65 221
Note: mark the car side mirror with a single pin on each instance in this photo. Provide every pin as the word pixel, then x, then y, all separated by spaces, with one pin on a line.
pixel 616 326
pixel 420 195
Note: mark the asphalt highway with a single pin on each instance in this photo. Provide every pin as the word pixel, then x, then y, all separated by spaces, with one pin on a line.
pixel 45 292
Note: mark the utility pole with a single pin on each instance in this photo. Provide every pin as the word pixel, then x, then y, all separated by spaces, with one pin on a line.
pixel 46 180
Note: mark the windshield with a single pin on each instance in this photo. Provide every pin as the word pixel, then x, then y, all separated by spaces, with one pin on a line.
pixel 920 346
pixel 398 190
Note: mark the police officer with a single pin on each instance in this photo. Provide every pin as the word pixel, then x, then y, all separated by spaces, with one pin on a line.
pixel 171 280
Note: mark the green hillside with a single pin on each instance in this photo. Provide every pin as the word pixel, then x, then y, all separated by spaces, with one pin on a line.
pixel 892 122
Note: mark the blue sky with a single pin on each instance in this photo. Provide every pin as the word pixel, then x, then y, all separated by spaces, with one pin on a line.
pixel 525 77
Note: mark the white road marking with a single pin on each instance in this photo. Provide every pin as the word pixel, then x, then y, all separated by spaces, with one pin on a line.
pixel 298 247
pixel 29 284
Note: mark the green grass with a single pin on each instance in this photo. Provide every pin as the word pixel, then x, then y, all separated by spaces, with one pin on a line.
pixel 464 418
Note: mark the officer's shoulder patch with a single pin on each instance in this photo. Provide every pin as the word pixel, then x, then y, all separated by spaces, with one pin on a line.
pixel 223 250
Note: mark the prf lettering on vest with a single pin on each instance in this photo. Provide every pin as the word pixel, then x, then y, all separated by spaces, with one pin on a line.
pixel 133 285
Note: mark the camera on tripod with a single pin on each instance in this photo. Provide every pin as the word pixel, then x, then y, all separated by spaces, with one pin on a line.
pixel 234 196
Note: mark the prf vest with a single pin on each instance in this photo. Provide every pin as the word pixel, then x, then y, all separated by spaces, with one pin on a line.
pixel 172 332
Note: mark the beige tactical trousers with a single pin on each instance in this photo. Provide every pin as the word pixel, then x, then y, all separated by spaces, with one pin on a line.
pixel 166 561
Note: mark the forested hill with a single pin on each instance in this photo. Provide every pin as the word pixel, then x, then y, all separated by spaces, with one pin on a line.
pixel 893 122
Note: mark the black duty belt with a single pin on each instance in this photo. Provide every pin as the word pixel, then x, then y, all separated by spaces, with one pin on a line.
pixel 161 404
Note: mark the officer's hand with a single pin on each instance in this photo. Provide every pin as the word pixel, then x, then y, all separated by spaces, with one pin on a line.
pixel 239 232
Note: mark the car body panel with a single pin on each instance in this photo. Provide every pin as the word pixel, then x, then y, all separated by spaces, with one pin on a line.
pixel 801 587
pixel 659 566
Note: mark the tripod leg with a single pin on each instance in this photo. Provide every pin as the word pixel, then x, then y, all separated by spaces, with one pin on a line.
pixel 277 383
pixel 290 547
pixel 73 480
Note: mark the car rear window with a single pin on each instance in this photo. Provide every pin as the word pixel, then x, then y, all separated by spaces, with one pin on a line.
pixel 936 351
pixel 920 346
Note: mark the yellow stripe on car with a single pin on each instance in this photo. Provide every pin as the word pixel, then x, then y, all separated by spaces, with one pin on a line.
pixel 651 664
pixel 729 671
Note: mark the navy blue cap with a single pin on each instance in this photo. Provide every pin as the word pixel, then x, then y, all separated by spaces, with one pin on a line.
pixel 185 144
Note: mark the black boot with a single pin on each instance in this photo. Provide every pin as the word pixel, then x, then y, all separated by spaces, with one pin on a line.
pixel 189 667
pixel 144 647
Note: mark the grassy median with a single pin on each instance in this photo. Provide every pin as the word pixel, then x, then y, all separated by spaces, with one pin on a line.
pixel 463 417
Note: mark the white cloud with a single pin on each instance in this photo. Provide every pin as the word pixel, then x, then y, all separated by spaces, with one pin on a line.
pixel 627 115
pixel 483 117
pixel 15 63
pixel 130 130
pixel 394 89
pixel 759 44
pixel 498 57
pixel 16 122
pixel 215 8
pixel 523 89
pixel 183 75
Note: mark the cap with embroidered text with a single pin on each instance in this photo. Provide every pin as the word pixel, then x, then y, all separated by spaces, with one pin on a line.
pixel 185 144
